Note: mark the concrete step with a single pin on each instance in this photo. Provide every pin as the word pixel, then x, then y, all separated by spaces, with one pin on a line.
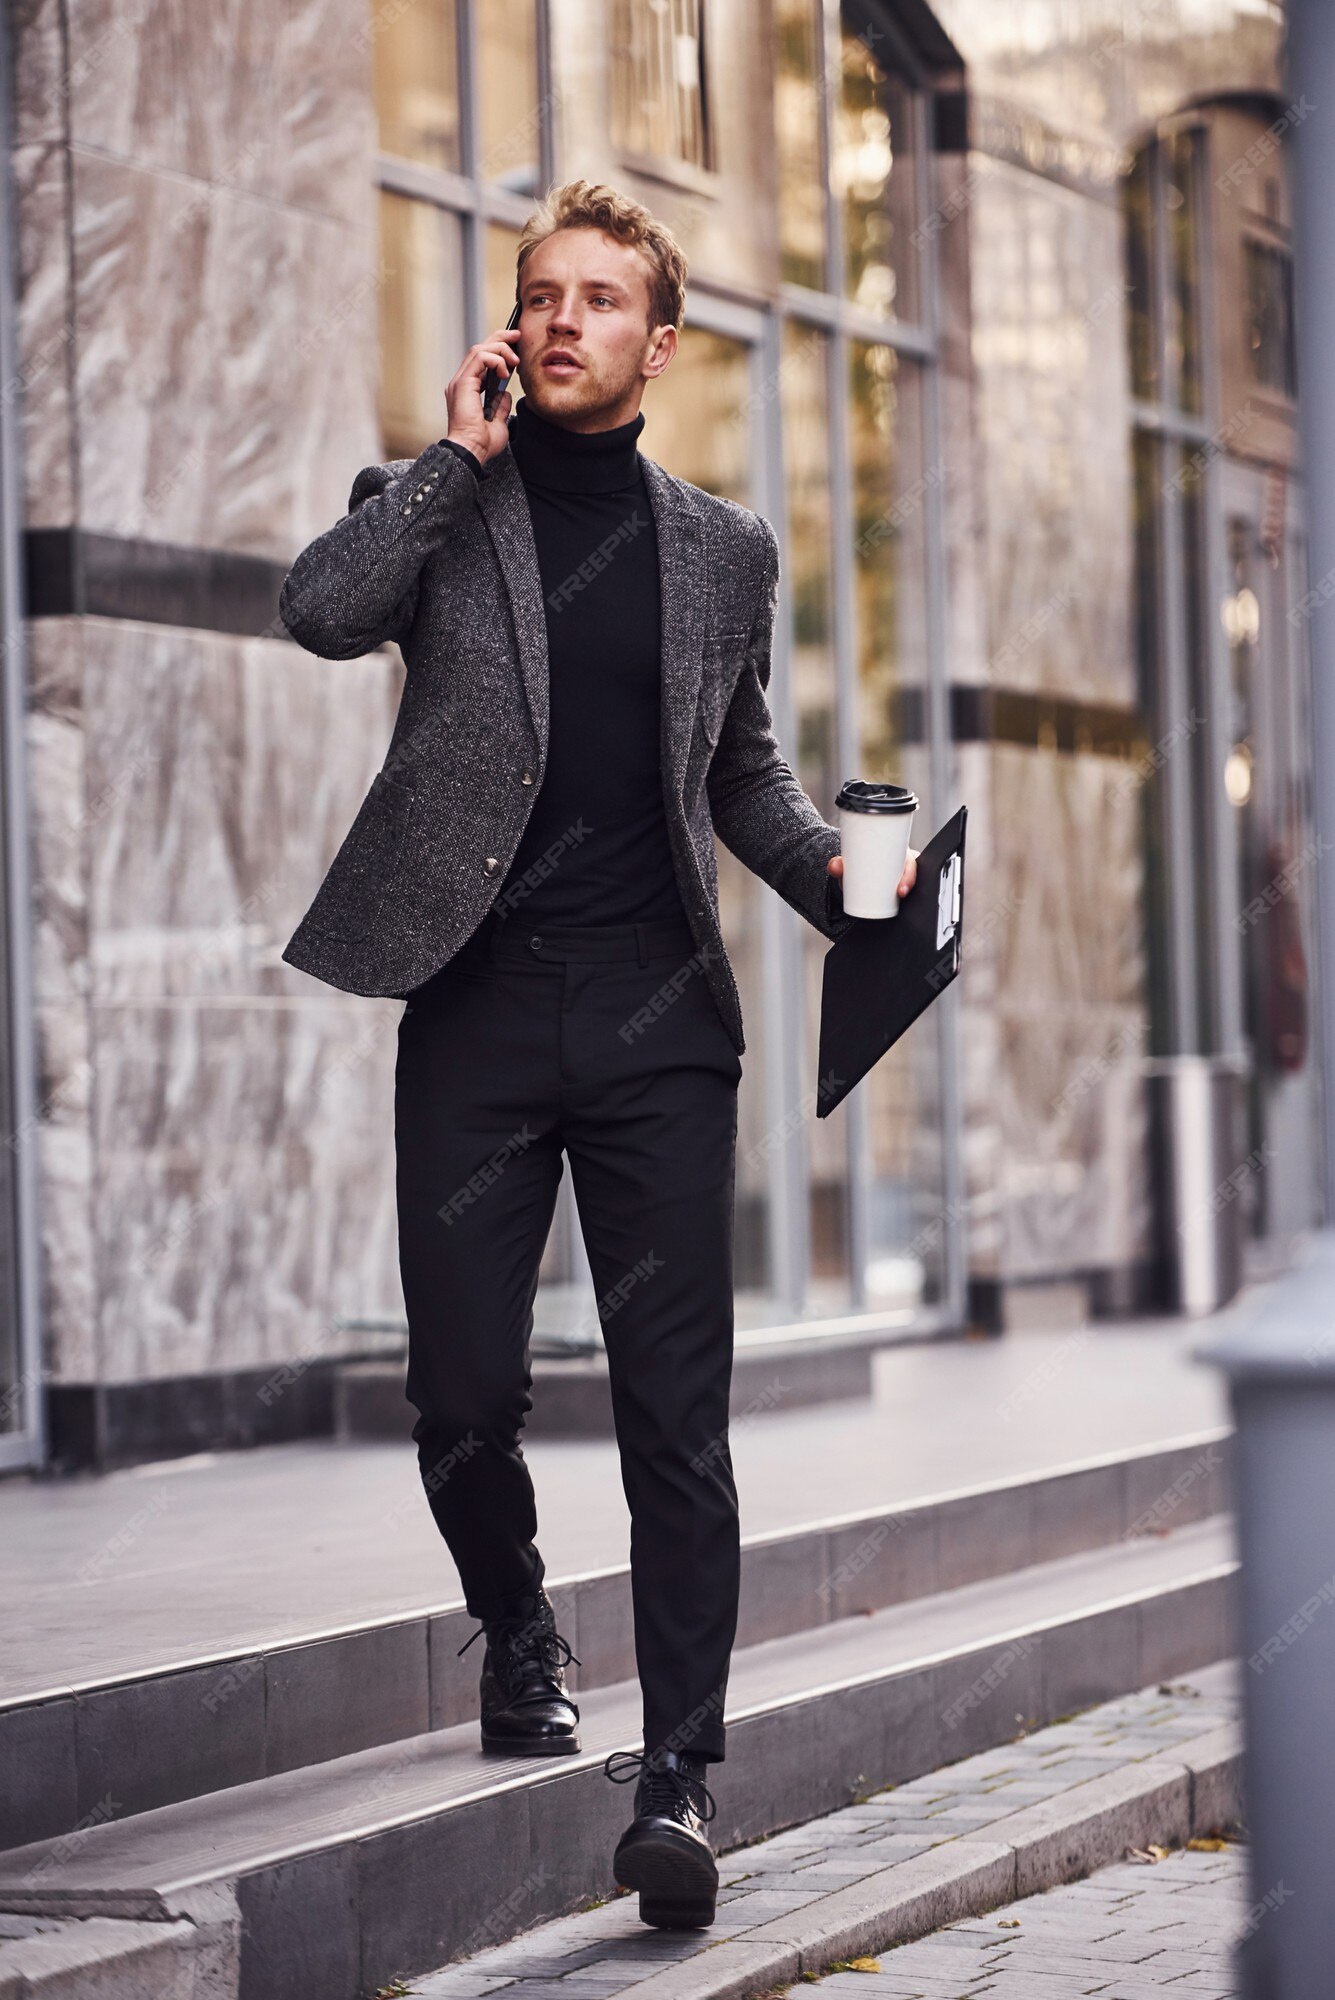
pixel 572 1396
pixel 1162 1765
pixel 394 1860
pixel 221 1719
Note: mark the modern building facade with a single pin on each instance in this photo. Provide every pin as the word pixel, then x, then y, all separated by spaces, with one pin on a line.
pixel 990 313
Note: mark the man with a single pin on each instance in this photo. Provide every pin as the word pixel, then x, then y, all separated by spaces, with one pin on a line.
pixel 587 644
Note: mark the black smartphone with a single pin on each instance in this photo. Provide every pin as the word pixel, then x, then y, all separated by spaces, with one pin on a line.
pixel 492 386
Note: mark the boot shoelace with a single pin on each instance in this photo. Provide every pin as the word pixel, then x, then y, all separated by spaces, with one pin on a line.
pixel 533 1646
pixel 663 1790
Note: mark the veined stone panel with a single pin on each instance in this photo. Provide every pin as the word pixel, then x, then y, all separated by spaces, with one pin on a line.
pixel 1050 347
pixel 1070 1012
pixel 225 369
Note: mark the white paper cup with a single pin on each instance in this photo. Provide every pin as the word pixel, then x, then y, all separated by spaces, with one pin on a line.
pixel 875 822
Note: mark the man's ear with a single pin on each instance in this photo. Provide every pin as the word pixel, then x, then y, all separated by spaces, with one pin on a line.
pixel 664 337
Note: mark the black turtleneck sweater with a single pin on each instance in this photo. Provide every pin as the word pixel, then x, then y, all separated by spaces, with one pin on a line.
pixel 595 849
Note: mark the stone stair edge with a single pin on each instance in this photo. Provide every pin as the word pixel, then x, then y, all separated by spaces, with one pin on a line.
pixel 1194 1790
pixel 147 1902
pixel 575 1579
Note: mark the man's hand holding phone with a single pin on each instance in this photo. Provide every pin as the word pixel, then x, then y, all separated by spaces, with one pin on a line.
pixel 498 351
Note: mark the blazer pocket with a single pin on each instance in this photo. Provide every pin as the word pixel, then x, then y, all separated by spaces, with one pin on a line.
pixel 359 877
pixel 722 654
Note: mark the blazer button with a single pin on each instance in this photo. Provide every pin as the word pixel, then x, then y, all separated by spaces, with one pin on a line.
pixel 490 865
pixel 526 777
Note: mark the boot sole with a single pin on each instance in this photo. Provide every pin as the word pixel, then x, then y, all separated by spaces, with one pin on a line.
pixel 536 1746
pixel 677 1881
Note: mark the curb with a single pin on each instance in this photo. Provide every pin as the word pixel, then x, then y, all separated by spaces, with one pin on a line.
pixel 1165 1799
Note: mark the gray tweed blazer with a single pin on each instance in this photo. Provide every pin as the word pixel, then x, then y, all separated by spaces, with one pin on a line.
pixel 444 562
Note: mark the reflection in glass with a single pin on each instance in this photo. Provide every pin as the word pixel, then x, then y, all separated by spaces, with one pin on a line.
pixel 808 559
pixel 1190 486
pixel 697 424
pixel 905 1228
pixel 1137 212
pixel 1151 790
pixel 1242 623
pixel 872 166
pixel 801 192
pixel 499 250
pixel 888 526
pixel 1269 308
pixel 658 81
pixel 421 321
pixel 415 80
pixel 508 124
pixel 1181 210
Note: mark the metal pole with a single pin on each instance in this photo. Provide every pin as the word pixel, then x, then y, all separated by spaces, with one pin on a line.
pixel 1280 1352
pixel 1311 83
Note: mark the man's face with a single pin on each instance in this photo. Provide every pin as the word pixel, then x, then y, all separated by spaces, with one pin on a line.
pixel 586 295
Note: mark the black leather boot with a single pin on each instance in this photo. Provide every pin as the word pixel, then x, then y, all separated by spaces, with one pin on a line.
pixel 665 1851
pixel 526 1710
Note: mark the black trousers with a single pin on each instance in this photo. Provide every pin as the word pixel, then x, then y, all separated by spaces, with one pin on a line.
pixel 605 1043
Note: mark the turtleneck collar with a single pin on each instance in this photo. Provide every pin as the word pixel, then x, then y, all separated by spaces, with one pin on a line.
pixel 549 454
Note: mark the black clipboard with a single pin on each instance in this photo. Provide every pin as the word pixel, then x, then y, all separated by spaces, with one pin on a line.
pixel 886 971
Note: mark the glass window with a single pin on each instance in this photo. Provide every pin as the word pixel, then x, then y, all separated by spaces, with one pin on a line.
pixel 415 83
pixel 1181 211
pixel 797 122
pixel 1147 480
pixel 872 165
pixel 422 320
pixel 905 1239
pixel 658 80
pixel 502 247
pixel 1205 782
pixel 808 573
pixel 1137 199
pixel 1269 308
pixel 698 425
pixel 888 525
pixel 509 134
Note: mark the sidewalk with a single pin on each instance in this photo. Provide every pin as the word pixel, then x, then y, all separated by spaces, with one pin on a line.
pixel 1158 1765
pixel 167 1564
pixel 1129 1932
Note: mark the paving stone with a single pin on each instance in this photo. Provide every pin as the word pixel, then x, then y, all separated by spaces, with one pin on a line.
pixel 1103 1937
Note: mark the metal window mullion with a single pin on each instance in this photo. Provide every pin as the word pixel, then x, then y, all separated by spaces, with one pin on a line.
pixel 22 1292
pixel 857 1165
pixel 1184 970
pixel 789 1192
pixel 843 598
pixel 828 76
pixel 1221 826
pixel 547 97
pixel 1176 788
pixel 473 220
pixel 947 1026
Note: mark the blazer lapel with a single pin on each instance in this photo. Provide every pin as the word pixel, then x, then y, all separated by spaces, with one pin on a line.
pixel 680 539
pixel 504 505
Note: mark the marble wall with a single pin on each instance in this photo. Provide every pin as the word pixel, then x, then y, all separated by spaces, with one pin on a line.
pixel 199 345
pixel 199 349
pixel 1053 1016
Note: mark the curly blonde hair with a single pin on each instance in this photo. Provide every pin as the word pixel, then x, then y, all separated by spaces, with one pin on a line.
pixel 595 205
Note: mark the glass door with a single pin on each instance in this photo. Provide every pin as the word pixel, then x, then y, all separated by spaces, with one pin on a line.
pixel 1270 900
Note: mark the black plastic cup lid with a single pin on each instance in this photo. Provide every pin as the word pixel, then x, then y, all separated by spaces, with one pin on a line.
pixel 868 796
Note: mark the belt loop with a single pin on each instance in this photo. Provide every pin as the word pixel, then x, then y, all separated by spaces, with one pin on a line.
pixel 642 942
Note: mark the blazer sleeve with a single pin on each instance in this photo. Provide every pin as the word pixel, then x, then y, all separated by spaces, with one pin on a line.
pixel 356 585
pixel 759 809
